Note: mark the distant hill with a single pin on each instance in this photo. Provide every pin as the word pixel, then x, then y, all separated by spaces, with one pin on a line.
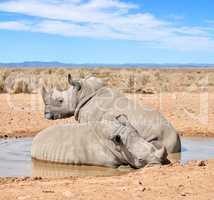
pixel 91 65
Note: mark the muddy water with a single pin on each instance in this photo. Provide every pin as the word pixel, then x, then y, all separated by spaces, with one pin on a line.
pixel 15 160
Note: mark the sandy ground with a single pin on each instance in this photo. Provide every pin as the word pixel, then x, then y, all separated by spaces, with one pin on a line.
pixel 190 113
pixel 192 181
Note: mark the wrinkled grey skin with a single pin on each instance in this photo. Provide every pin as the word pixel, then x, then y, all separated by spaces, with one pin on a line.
pixel 62 104
pixel 89 100
pixel 106 143
pixel 59 104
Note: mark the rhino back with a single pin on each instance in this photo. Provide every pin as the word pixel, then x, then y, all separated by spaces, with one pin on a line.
pixel 71 144
pixel 109 103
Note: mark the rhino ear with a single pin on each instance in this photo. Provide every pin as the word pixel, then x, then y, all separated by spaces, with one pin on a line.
pixel 123 119
pixel 70 80
pixel 89 76
pixel 76 84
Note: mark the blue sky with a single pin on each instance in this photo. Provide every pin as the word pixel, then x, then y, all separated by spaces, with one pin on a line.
pixel 107 31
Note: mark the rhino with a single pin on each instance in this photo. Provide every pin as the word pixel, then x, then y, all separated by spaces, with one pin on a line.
pixel 103 143
pixel 90 99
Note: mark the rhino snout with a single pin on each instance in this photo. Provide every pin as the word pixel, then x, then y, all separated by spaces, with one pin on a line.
pixel 51 116
pixel 158 156
pixel 48 116
pixel 161 156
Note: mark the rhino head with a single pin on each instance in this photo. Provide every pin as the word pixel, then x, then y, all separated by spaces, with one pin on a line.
pixel 134 149
pixel 62 104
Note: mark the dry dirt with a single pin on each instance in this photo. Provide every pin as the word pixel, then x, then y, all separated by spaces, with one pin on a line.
pixel 190 113
pixel 193 181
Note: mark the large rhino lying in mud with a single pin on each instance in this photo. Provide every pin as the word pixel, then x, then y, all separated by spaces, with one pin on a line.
pixel 89 100
pixel 106 143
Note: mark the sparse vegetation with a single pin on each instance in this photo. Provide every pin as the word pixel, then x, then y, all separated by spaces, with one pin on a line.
pixel 14 80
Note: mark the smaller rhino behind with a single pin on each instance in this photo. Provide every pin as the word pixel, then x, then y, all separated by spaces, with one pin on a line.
pixel 106 143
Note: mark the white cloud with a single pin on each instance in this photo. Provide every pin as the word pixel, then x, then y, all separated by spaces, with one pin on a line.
pixel 91 11
pixel 112 19
pixel 66 29
pixel 97 4
pixel 14 25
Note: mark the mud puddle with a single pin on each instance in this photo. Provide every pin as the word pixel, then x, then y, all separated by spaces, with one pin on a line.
pixel 15 160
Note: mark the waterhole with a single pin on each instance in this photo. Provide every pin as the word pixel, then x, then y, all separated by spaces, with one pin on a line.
pixel 15 160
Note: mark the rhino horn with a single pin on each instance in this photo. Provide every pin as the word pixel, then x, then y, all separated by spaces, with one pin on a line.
pixel 161 153
pixel 76 84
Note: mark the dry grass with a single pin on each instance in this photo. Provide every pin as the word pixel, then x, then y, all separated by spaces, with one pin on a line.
pixel 128 80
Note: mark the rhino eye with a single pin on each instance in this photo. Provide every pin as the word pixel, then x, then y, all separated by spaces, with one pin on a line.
pixel 117 140
pixel 59 100
pixel 153 139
